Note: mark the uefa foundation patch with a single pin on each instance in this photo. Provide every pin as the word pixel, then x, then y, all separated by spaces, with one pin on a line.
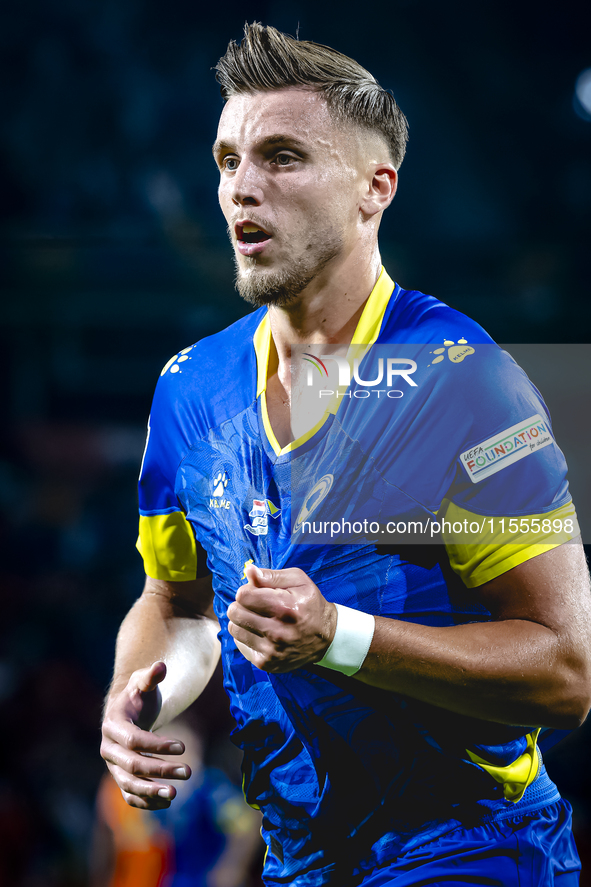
pixel 506 447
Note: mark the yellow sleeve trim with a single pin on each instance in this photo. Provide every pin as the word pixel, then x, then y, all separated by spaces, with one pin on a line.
pixel 502 543
pixel 515 777
pixel 167 545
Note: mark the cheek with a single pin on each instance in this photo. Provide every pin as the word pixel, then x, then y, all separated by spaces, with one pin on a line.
pixel 332 209
pixel 225 201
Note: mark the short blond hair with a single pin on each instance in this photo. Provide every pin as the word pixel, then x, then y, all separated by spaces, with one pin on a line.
pixel 266 59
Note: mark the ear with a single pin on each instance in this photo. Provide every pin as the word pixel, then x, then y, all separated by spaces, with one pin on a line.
pixel 380 189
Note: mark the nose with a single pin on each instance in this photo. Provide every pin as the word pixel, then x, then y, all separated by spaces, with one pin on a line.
pixel 246 187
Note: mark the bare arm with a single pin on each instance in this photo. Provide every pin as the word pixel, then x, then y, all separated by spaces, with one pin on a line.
pixel 530 665
pixel 168 638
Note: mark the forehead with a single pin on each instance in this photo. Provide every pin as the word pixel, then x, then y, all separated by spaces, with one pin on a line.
pixel 299 113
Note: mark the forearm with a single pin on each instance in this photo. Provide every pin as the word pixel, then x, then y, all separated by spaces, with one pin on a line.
pixel 530 665
pixel 156 629
pixel 513 672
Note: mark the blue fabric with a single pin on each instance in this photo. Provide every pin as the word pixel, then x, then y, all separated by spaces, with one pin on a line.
pixel 343 772
pixel 531 850
pixel 193 822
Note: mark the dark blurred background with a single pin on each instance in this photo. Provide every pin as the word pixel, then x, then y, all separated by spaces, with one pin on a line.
pixel 114 256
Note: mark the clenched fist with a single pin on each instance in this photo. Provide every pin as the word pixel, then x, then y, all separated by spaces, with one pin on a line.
pixel 280 621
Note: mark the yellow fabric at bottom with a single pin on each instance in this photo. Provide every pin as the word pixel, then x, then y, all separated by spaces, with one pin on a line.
pixel 515 777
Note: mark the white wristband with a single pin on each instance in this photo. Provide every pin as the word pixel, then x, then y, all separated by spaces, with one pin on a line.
pixel 351 641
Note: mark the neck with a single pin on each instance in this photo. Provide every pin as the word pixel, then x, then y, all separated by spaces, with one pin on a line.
pixel 328 310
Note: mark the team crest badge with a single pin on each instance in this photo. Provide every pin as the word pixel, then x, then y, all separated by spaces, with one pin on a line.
pixel 261 509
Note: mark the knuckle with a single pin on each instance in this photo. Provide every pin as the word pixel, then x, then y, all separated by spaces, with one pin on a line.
pixel 272 651
pixel 278 641
pixel 274 639
pixel 107 727
pixel 134 766
pixel 131 740
pixel 126 741
pixel 124 783
pixel 105 752
pixel 129 764
pixel 285 614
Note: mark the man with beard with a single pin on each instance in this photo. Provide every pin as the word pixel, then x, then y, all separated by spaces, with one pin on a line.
pixel 389 711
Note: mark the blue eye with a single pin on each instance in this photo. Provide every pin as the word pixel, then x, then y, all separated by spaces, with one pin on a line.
pixel 230 163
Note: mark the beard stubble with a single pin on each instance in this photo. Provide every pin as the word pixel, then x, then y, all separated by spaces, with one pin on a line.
pixel 283 287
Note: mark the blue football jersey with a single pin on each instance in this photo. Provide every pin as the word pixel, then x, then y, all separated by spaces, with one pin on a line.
pixel 347 775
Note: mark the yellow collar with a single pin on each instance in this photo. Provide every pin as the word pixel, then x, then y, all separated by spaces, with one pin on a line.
pixel 365 335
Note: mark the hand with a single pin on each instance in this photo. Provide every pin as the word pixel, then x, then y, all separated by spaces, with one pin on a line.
pixel 280 621
pixel 128 746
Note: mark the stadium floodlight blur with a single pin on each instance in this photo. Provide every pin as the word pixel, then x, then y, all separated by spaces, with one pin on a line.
pixel 582 97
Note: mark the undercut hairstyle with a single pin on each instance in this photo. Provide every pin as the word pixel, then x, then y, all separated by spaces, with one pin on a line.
pixel 266 59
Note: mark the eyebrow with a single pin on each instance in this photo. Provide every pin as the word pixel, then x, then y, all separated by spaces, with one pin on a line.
pixel 220 146
pixel 280 139
pixel 270 141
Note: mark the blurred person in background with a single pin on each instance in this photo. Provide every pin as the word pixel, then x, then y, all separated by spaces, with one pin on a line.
pixel 209 838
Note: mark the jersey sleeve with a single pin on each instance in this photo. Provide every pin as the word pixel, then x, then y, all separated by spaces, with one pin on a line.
pixel 166 539
pixel 509 500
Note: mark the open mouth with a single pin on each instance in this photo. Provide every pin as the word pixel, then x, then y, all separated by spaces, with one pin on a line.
pixel 251 234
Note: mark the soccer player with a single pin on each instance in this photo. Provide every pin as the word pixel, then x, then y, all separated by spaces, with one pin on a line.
pixel 388 700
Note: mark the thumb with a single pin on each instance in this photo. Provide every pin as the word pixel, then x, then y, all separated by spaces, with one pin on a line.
pixel 147 679
pixel 255 576
pixel 274 578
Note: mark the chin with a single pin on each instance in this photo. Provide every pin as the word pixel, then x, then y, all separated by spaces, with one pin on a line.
pixel 261 287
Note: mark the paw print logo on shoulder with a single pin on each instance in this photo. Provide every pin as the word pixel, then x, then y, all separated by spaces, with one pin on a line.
pixel 220 483
pixel 175 363
pixel 455 352
pixel 218 500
